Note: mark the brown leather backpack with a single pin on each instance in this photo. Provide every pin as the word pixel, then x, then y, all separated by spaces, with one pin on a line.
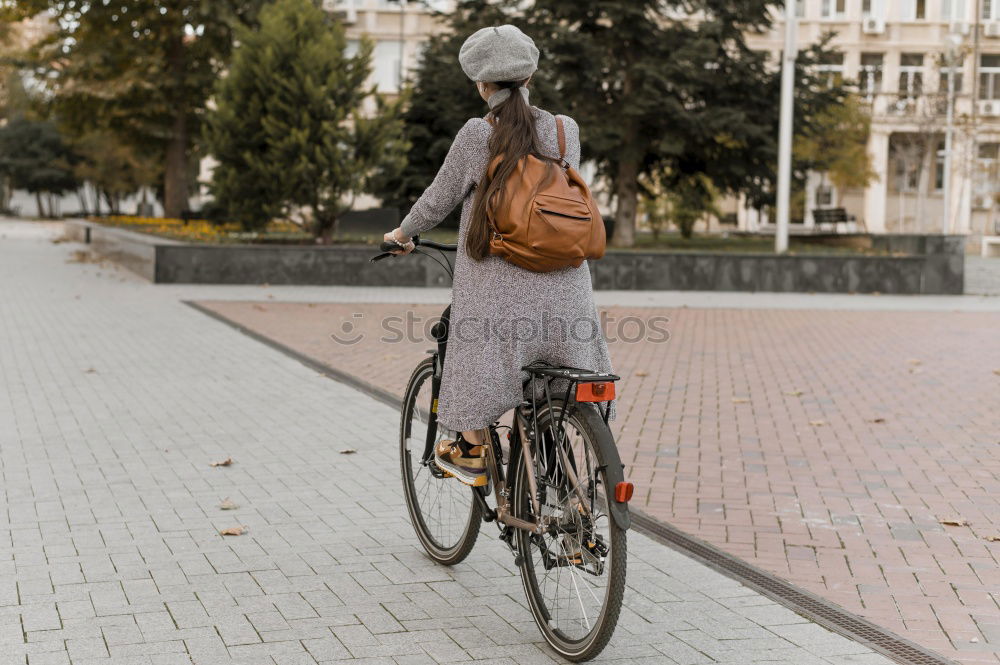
pixel 546 226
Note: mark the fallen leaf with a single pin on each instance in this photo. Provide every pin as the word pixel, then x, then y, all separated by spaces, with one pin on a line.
pixel 90 370
pixel 260 308
pixel 234 531
pixel 993 538
pixel 642 373
pixel 916 370
pixel 878 421
pixel 794 393
pixel 348 451
pixel 227 504
pixel 740 400
pixel 817 423
pixel 311 305
pixel 954 521
pixel 225 462
pixel 997 372
pixel 915 361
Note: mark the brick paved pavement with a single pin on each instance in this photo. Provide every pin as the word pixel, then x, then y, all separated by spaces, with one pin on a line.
pixel 116 397
pixel 822 446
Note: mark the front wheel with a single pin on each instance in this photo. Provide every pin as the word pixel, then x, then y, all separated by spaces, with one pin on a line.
pixel 443 511
pixel 574 571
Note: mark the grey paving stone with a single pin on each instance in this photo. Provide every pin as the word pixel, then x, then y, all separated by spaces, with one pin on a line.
pixel 112 539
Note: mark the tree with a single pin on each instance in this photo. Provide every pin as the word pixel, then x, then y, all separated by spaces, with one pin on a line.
pixel 114 168
pixel 143 69
pixel 836 145
pixel 683 203
pixel 34 157
pixel 289 131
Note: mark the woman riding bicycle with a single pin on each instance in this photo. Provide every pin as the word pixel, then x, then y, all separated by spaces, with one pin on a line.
pixel 503 317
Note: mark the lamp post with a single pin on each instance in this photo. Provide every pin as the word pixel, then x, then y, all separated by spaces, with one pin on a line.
pixel 952 55
pixel 785 130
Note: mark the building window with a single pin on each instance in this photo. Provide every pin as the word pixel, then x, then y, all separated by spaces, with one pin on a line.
pixel 991 10
pixel 989 76
pixel 824 196
pixel 911 67
pixel 914 10
pixel 985 179
pixel 800 8
pixel 833 8
pixel 871 75
pixel 953 10
pixel 832 64
pixel 385 65
pixel 943 80
pixel 874 8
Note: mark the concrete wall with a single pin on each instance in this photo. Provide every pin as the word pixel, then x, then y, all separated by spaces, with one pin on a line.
pixel 933 264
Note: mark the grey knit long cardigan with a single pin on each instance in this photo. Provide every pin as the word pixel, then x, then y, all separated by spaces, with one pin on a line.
pixel 504 317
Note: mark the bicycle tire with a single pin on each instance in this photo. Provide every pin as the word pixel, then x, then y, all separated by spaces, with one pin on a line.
pixel 587 421
pixel 445 553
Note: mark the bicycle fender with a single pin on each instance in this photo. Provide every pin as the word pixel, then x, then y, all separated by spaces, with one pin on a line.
pixel 615 474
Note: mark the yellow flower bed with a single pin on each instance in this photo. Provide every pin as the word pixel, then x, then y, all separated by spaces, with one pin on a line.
pixel 196 230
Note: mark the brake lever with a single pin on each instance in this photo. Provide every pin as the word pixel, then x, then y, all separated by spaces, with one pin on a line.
pixel 384 255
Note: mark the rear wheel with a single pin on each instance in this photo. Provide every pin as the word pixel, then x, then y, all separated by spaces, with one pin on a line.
pixel 574 571
pixel 443 511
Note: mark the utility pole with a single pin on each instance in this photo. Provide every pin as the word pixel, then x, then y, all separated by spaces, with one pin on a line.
pixel 785 129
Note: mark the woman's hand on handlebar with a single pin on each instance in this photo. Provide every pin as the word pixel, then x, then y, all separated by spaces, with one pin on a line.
pixel 396 236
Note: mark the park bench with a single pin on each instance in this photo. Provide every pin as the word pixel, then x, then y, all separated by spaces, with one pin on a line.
pixel 833 216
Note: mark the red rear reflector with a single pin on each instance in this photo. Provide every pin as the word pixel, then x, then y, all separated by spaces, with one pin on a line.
pixel 623 492
pixel 603 391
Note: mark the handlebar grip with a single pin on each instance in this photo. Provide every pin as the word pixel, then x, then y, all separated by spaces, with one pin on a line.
pixel 390 246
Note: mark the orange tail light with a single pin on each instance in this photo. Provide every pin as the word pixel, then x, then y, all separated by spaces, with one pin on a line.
pixel 600 391
pixel 623 492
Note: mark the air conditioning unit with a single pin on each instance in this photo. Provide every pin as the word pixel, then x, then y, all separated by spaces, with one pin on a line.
pixel 959 28
pixel 982 202
pixel 345 10
pixel 991 29
pixel 873 25
pixel 988 107
pixel 903 106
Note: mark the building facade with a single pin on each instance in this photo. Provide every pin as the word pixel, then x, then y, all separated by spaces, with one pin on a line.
pixel 902 54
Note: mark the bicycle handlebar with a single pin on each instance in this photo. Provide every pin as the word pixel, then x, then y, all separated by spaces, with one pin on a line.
pixel 388 248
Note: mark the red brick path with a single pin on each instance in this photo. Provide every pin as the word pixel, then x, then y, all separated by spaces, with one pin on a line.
pixel 825 447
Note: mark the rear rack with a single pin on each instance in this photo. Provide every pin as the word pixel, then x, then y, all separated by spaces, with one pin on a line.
pixel 569 373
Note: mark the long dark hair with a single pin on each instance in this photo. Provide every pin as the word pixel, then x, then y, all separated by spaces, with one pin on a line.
pixel 513 138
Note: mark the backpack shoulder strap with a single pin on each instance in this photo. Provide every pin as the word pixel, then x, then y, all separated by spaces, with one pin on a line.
pixel 561 133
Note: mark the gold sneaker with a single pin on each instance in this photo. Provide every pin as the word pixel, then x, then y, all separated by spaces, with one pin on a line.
pixel 462 460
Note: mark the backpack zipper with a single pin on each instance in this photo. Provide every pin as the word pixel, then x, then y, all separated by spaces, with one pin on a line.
pixel 563 214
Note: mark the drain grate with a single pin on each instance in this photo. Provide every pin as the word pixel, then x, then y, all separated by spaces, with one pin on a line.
pixel 804 603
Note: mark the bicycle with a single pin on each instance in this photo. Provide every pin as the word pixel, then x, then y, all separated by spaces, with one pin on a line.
pixel 559 496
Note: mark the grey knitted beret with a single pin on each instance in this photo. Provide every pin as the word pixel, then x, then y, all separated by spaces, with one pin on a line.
pixel 501 53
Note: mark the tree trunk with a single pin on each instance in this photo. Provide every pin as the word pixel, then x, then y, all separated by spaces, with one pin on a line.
pixel 175 177
pixel 627 193
pixel 38 204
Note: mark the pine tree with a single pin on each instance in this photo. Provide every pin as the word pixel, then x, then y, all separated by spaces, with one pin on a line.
pixel 288 130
